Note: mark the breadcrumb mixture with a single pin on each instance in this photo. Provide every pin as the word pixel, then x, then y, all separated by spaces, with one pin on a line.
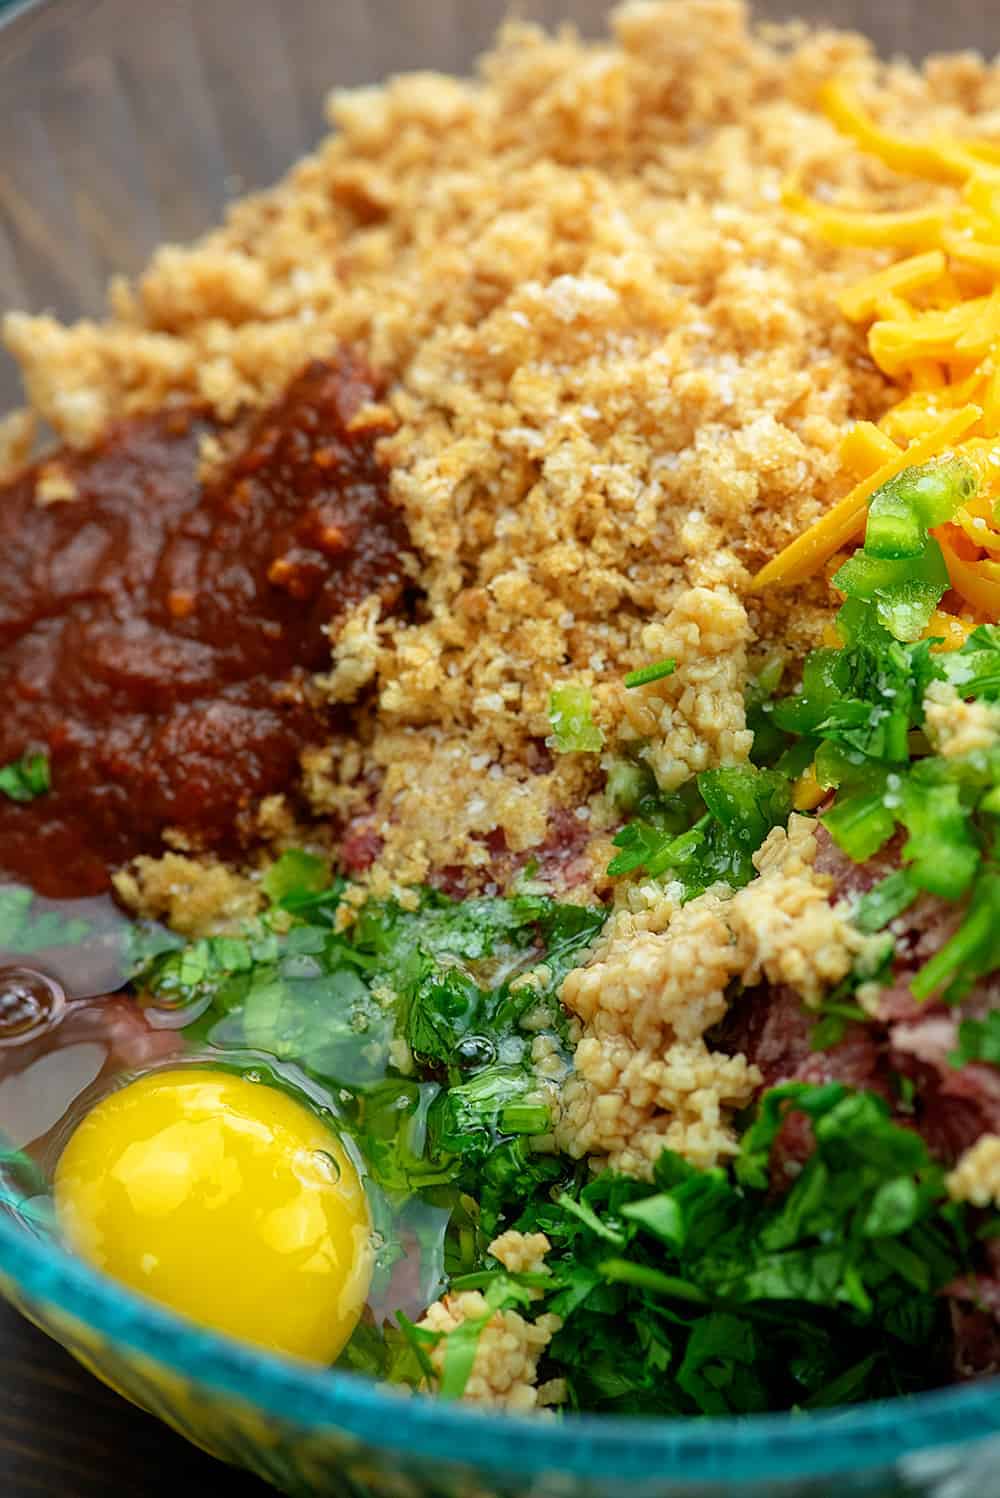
pixel 618 376
pixel 644 1078
pixel 192 896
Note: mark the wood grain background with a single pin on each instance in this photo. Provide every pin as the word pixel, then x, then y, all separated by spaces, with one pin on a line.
pixel 64 1435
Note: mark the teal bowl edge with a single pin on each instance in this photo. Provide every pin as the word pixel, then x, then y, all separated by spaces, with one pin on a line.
pixel 855 1440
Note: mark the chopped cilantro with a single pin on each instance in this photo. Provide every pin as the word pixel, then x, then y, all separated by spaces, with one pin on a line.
pixel 298 880
pixel 654 672
pixel 978 1040
pixel 722 826
pixel 25 778
pixel 859 712
pixel 26 928
pixel 974 670
pixel 885 901
pixel 573 726
pixel 701 1292
pixel 438 984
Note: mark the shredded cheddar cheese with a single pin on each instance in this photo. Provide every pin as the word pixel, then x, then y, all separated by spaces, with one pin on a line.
pixel 846 520
pixel 933 327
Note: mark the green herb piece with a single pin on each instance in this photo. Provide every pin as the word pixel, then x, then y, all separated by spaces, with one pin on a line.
pixel 654 672
pixel 834 1018
pixel 860 824
pixel 978 1040
pixel 885 901
pixel 444 1008
pixel 468 1118
pixel 942 850
pixel 902 511
pixel 570 714
pixel 295 879
pixel 970 953
pixel 25 778
pixel 974 669
pixel 769 741
pixel 26 926
pixel 628 785
pixel 697 1293
pixel 436 987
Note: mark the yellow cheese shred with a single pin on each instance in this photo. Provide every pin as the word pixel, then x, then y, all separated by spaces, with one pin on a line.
pixel 846 520
pixel 932 318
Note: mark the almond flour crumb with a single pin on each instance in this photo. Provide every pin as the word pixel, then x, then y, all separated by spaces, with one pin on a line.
pixel 17 438
pixel 505 1369
pixel 355 653
pixel 197 897
pixel 957 727
pixel 644 1077
pixel 976 1177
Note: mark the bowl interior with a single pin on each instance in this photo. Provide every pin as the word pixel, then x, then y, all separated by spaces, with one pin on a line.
pixel 125 126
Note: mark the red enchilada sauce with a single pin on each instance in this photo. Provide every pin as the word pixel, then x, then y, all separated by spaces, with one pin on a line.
pixel 157 634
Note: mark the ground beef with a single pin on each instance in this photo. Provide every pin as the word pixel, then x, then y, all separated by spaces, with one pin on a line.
pixel 951 1107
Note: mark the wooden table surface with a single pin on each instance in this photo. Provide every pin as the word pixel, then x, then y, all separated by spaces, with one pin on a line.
pixel 64 1435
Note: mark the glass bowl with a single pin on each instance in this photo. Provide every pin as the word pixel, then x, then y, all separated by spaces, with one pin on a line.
pixel 126 124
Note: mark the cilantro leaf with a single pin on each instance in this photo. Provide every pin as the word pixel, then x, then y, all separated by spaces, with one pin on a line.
pixel 25 778
pixel 885 901
pixel 974 669
pixel 971 952
pixel 653 672
pixel 942 850
pixel 978 1040
pixel 299 881
pixel 721 1295
pixel 739 805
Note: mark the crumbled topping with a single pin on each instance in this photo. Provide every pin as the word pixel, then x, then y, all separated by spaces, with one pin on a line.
pixel 505 1370
pixel 17 437
pixel 955 726
pixel 355 653
pixel 197 897
pixel 693 719
pixel 521 1253
pixel 976 1177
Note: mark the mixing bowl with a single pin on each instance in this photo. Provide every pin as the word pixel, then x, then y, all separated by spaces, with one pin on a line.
pixel 124 124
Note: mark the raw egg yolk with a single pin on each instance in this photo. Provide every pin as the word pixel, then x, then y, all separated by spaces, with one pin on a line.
pixel 228 1201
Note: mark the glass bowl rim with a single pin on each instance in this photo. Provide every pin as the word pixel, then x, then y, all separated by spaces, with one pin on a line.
pixel 724 1449
pixel 855 1438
